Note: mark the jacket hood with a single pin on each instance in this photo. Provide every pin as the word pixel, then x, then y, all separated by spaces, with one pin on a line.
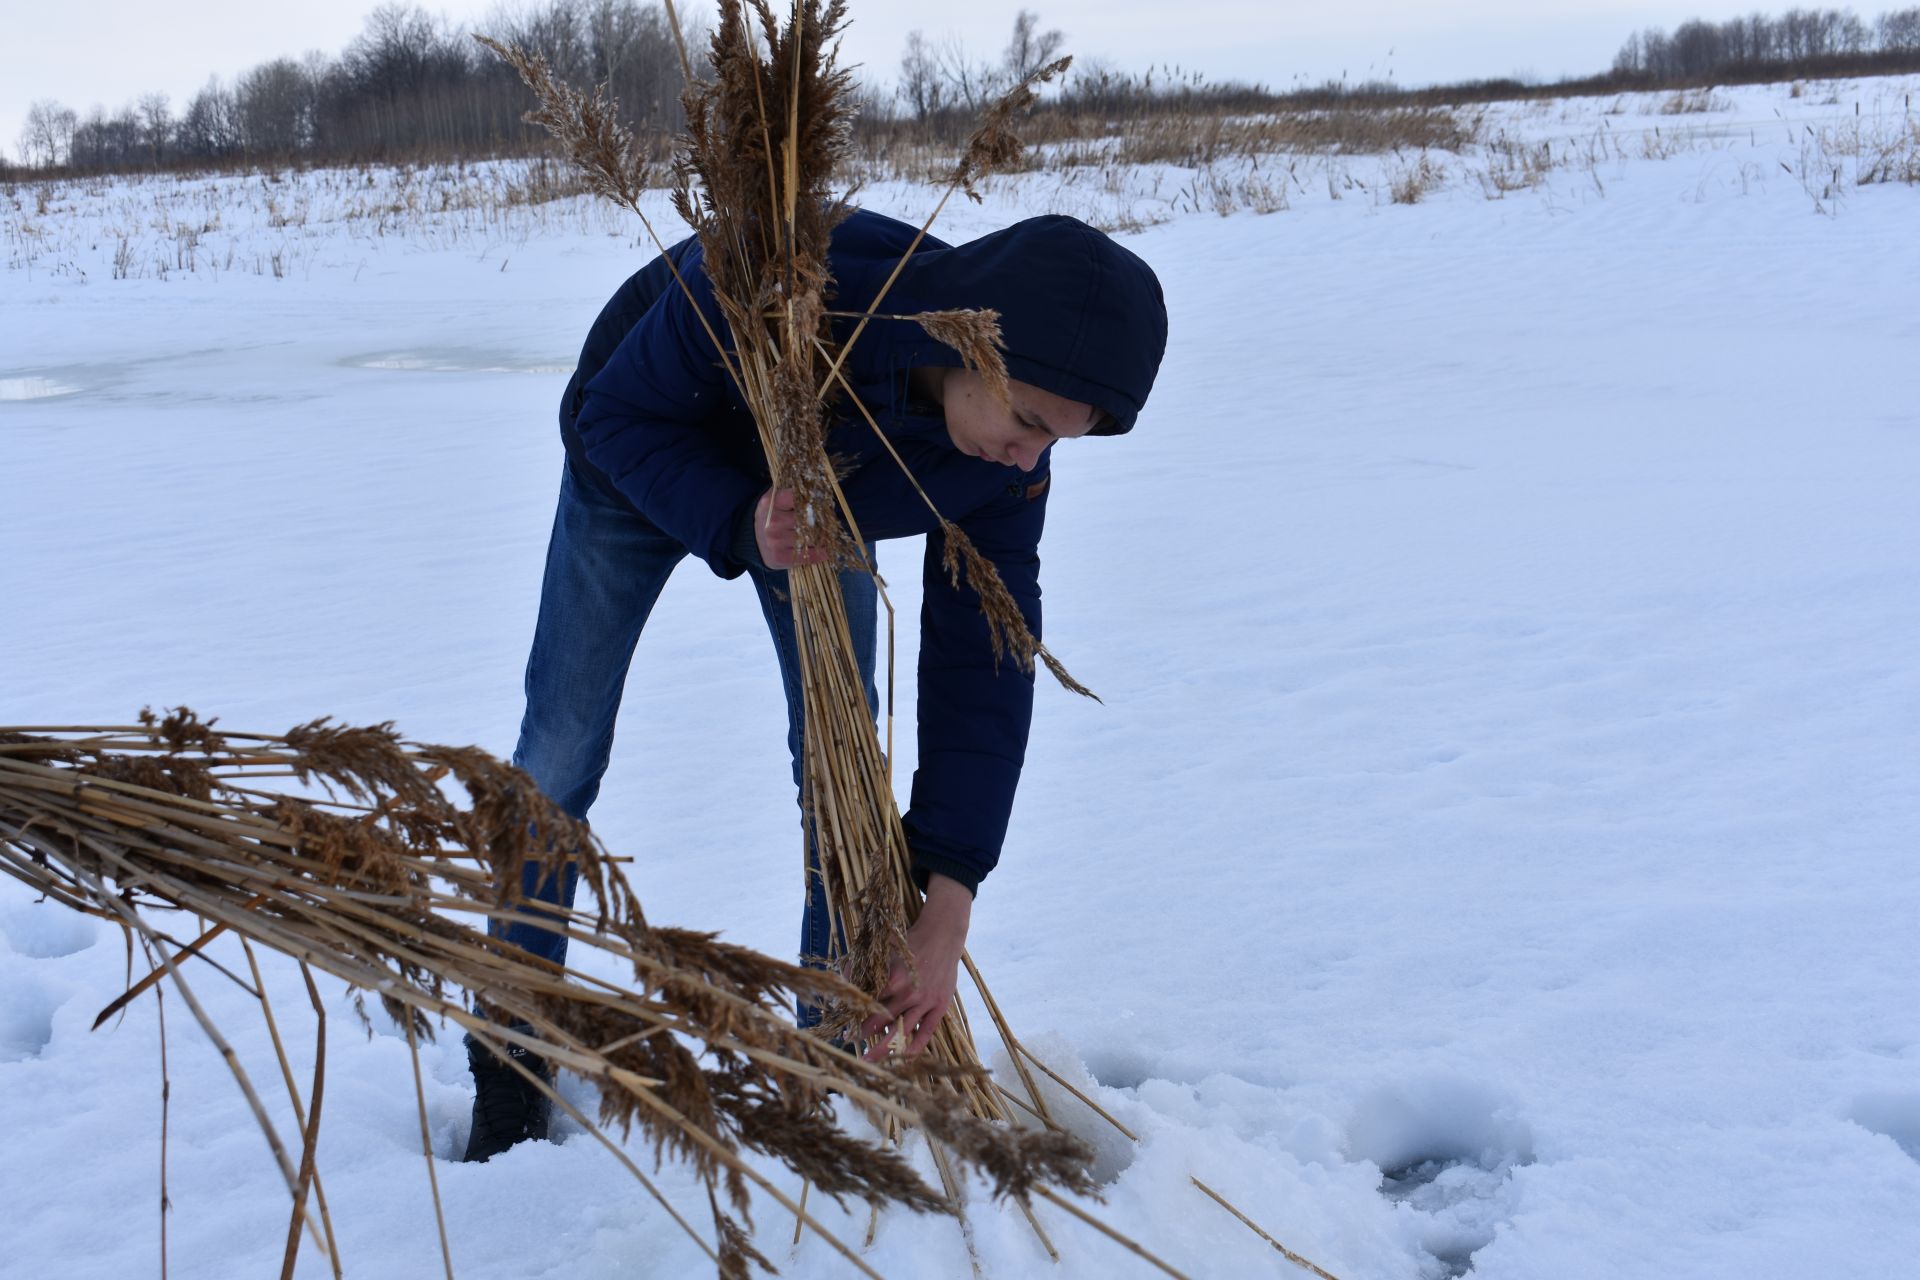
pixel 1082 317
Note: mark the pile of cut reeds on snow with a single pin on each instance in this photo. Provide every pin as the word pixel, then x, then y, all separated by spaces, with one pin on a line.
pixel 380 876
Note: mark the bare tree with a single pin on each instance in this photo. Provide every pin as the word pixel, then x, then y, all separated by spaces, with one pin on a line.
pixel 47 137
pixel 273 108
pixel 966 81
pixel 207 131
pixel 156 126
pixel 1029 48
pixel 93 142
pixel 1845 33
pixel 1899 31
pixel 1697 48
pixel 1632 57
pixel 394 50
pixel 920 83
pixel 945 74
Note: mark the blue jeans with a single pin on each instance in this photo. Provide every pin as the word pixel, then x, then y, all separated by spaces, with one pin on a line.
pixel 606 566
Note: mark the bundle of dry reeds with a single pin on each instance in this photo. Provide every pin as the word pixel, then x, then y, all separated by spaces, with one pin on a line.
pixel 346 849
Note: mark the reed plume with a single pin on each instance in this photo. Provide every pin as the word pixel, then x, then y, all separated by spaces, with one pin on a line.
pixel 975 335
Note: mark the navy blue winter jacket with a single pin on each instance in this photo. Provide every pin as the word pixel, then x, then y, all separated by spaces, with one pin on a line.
pixel 652 417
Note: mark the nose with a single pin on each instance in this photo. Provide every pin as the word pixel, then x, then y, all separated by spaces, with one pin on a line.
pixel 1024 456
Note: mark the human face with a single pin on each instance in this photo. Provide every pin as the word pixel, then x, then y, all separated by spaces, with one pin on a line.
pixel 1015 436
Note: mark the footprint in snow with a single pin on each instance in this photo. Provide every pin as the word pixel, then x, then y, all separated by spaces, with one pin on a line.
pixel 45 930
pixel 26 1019
pixel 1446 1149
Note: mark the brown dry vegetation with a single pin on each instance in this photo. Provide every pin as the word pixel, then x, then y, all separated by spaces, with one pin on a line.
pixel 1893 157
pixel 379 861
pixel 1191 133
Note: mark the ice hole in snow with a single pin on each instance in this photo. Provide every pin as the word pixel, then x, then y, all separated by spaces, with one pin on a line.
pixel 1438 1119
pixel 1117 1068
pixel 34 389
pixel 1446 1148
pixel 1891 1115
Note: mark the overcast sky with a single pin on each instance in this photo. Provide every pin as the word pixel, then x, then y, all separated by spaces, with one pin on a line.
pixel 109 52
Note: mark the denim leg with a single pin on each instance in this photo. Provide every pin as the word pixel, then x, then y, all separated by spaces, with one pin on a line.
pixel 606 565
pixel 817 942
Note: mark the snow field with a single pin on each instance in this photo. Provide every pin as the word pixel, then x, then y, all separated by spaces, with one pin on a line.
pixel 1494 853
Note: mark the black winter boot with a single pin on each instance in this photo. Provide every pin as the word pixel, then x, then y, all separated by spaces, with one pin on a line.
pixel 507 1108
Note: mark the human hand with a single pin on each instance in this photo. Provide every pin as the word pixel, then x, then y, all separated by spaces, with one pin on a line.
pixel 775 535
pixel 936 941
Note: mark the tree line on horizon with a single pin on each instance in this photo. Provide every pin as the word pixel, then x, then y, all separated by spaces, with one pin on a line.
pixel 413 86
pixel 409 84
pixel 1797 38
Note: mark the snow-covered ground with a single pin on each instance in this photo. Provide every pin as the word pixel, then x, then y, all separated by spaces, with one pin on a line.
pixel 1497 847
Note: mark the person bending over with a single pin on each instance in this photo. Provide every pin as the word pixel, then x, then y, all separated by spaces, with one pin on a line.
pixel 663 460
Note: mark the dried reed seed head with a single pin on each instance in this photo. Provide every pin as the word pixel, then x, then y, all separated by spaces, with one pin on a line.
pixel 876 938
pixel 1007 628
pixel 173 774
pixel 798 437
pixel 588 128
pixel 1014 1160
pixel 772 982
pixel 737 1254
pixel 182 730
pixel 365 762
pixel 994 147
pixel 352 853
pixel 834 1162
pixel 42 745
pixel 510 821
pixel 975 334
pixel 403 1013
pixel 764 139
pixel 1065 677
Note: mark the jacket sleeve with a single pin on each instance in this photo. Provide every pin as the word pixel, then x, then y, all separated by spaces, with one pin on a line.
pixel 974 712
pixel 643 422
